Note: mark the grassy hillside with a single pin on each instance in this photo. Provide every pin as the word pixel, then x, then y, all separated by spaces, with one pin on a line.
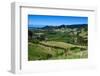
pixel 58 42
pixel 55 50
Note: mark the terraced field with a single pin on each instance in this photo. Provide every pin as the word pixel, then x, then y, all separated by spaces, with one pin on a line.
pixel 62 45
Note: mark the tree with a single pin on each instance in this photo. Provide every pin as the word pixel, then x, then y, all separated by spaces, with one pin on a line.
pixel 30 34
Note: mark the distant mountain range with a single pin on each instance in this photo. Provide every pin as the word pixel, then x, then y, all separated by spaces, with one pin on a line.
pixel 60 26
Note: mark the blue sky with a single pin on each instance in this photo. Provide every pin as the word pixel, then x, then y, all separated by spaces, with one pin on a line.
pixel 42 20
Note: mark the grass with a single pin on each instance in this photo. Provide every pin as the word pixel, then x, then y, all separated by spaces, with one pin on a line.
pixel 58 43
pixel 61 45
pixel 55 50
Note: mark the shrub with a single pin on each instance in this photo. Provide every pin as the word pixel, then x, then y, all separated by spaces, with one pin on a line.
pixel 35 41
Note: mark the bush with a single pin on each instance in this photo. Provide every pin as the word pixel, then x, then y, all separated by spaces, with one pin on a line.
pixel 35 41
pixel 75 49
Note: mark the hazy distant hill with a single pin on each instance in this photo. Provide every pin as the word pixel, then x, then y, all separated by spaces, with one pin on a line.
pixel 65 26
pixel 58 27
